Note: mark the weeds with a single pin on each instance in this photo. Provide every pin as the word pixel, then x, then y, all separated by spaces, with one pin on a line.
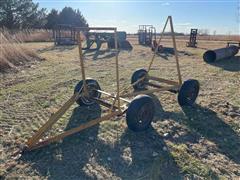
pixel 13 53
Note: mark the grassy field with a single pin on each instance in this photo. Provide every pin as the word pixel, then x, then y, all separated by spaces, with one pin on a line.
pixel 202 142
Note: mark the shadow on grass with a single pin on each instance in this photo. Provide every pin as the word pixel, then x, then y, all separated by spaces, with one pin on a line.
pixel 142 155
pixel 66 160
pixel 103 53
pixel 229 64
pixel 168 52
pixel 56 48
pixel 202 48
pixel 149 157
pixel 206 122
pixel 85 156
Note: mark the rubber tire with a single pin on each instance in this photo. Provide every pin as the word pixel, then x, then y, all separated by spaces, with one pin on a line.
pixel 79 87
pixel 136 76
pixel 134 112
pixel 191 87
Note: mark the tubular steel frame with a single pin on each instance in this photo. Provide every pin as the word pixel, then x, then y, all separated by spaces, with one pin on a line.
pixel 114 110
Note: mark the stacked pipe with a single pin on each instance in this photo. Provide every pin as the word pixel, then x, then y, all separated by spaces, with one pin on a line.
pixel 218 54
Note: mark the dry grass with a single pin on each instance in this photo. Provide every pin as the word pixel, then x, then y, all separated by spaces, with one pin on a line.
pixel 13 52
pixel 220 37
pixel 28 35
pixel 197 143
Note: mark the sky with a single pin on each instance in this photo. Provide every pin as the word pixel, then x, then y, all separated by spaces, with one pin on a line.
pixel 222 16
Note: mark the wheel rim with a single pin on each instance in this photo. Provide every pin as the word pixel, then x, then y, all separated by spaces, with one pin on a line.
pixel 93 93
pixel 191 95
pixel 144 115
pixel 142 84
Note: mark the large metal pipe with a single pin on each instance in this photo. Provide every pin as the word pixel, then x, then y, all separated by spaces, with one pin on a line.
pixel 217 54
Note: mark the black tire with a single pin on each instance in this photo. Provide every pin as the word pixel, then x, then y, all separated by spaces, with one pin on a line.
pixel 136 76
pixel 188 92
pixel 91 86
pixel 140 113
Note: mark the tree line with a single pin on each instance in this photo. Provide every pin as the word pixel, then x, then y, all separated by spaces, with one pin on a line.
pixel 25 14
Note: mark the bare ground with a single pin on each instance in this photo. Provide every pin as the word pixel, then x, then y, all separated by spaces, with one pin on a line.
pixel 194 143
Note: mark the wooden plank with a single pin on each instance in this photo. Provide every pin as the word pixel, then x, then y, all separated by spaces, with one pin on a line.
pixel 163 80
pixel 73 131
pixel 53 119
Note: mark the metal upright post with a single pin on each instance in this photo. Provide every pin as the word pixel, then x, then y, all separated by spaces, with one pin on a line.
pixel 117 70
pixel 156 49
pixel 82 64
pixel 175 51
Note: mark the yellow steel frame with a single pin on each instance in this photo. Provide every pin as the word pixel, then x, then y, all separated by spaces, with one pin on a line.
pixel 169 19
pixel 115 110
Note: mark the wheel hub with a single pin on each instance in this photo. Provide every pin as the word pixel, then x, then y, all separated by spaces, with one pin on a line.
pixel 144 113
pixel 92 92
pixel 143 82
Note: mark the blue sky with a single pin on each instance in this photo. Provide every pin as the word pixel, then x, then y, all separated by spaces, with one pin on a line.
pixel 219 15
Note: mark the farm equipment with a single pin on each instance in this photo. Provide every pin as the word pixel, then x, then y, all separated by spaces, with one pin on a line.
pixel 187 91
pixel 211 56
pixel 193 38
pixel 67 35
pixel 147 37
pixel 146 34
pixel 98 38
pixel 64 35
pixel 139 111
